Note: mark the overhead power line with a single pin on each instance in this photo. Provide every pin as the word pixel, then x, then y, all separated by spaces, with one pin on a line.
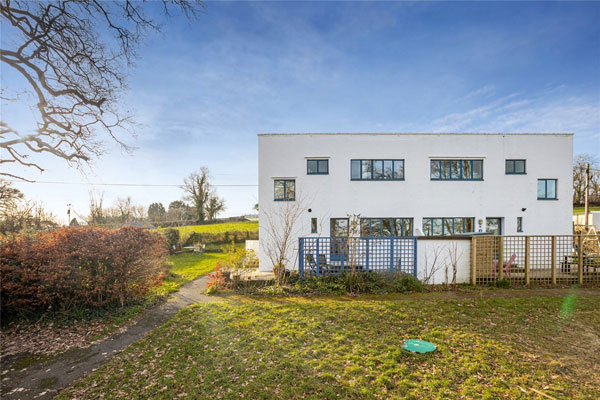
pixel 124 184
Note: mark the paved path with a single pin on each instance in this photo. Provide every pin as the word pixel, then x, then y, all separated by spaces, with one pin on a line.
pixel 44 380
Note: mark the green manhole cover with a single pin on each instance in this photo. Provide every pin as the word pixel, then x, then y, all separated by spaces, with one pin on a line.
pixel 419 346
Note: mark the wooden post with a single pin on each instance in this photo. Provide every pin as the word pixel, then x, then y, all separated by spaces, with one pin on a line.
pixel 473 260
pixel 527 260
pixel 500 257
pixel 580 260
pixel 553 271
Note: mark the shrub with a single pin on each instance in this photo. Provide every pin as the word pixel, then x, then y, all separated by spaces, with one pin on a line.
pixel 216 280
pixel 172 236
pixel 503 283
pixel 83 266
pixel 218 237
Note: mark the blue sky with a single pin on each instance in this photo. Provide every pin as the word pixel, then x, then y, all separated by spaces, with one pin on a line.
pixel 203 90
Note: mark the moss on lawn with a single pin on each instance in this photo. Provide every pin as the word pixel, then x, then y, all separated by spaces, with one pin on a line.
pixel 338 348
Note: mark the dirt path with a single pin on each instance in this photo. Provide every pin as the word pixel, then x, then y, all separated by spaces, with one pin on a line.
pixel 44 380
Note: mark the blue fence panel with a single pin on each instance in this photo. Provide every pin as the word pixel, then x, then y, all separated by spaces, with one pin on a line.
pixel 334 255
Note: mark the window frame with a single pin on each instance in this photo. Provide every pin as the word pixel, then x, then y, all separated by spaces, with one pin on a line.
pixel 317 161
pixel 381 161
pixel 313 225
pixel 450 162
pixel 444 221
pixel 404 221
pixel 285 189
pixel 519 224
pixel 514 165
pixel 546 188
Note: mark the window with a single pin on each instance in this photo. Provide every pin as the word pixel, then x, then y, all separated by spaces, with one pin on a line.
pixel 546 189
pixel 313 225
pixel 317 167
pixel 339 227
pixel 385 227
pixel 285 190
pixel 375 170
pixel 447 226
pixel 515 167
pixel 456 170
pixel 519 224
pixel 493 226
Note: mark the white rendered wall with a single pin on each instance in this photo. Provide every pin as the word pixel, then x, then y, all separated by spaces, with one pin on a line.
pixel 498 195
pixel 440 269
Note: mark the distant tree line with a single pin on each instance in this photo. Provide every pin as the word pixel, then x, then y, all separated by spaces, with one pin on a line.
pixel 200 204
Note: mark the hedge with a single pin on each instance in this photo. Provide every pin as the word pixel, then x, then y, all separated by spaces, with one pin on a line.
pixel 79 266
pixel 219 238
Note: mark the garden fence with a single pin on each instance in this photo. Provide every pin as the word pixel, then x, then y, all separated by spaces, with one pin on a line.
pixel 529 259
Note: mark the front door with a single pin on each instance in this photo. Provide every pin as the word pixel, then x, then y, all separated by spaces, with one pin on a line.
pixel 493 226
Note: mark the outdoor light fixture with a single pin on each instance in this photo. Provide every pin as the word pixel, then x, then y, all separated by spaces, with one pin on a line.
pixel 523 209
pixel 310 210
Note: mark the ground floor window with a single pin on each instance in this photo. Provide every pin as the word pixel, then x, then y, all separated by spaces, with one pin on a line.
pixel 493 226
pixel 385 227
pixel 446 226
pixel 519 224
pixel 313 225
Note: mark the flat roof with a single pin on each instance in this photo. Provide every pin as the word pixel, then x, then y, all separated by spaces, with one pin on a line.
pixel 416 134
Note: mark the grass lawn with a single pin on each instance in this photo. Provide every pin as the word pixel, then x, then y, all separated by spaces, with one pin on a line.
pixel 244 226
pixel 582 209
pixel 346 348
pixel 185 267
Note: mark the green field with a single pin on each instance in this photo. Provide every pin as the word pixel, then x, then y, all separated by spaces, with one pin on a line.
pixel 345 348
pixel 244 226
pixel 577 210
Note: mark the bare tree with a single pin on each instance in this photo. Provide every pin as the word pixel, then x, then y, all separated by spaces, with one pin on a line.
pixel 353 241
pixel 282 234
pixel 452 261
pixel 579 165
pixel 198 191
pixel 214 206
pixel 431 264
pixel 97 214
pixel 179 212
pixel 72 57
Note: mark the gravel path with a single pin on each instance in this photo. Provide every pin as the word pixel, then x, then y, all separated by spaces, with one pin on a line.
pixel 44 380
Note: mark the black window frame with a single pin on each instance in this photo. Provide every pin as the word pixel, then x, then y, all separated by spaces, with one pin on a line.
pixel 513 162
pixel 546 189
pixel 371 170
pixel 318 162
pixel 285 190
pixel 450 162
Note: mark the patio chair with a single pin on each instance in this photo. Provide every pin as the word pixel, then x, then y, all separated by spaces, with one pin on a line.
pixel 311 263
pixel 506 266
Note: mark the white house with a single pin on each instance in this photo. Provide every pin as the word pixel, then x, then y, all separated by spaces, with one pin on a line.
pixel 414 184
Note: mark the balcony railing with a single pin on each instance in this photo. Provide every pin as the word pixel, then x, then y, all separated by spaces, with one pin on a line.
pixel 335 255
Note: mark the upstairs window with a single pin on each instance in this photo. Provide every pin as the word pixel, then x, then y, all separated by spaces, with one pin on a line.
pixel 515 167
pixel 285 190
pixel 456 170
pixel 377 170
pixel 546 189
pixel 447 226
pixel 317 167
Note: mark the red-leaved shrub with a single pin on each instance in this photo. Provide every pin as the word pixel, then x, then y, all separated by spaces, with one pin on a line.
pixel 81 266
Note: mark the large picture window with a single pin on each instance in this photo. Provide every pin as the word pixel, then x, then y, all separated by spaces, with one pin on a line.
pixel 285 190
pixel 456 170
pixel 448 226
pixel 546 189
pixel 385 227
pixel 317 167
pixel 376 170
